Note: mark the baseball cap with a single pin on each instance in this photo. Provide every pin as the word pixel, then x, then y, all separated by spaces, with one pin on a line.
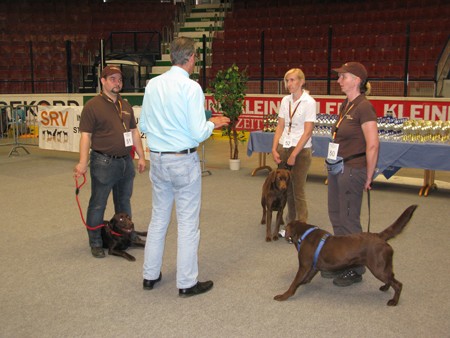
pixel 355 68
pixel 110 70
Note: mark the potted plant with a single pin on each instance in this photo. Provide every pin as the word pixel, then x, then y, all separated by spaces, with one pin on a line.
pixel 228 90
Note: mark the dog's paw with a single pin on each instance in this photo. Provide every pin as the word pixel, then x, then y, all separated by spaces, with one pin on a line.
pixel 268 239
pixel 280 298
pixel 130 258
pixel 275 238
pixel 392 302
pixel 385 287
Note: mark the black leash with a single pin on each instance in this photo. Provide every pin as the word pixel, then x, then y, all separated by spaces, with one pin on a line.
pixel 368 206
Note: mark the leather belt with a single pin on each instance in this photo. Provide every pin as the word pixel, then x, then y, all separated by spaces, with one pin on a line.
pixel 110 156
pixel 185 151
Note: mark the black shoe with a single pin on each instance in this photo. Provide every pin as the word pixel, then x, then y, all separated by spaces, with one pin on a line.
pixel 331 274
pixel 347 278
pixel 97 252
pixel 197 289
pixel 150 283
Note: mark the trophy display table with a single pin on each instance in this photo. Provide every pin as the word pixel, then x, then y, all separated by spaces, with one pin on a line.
pixel 392 156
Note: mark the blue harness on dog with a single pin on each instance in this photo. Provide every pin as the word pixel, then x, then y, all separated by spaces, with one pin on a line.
pixel 319 247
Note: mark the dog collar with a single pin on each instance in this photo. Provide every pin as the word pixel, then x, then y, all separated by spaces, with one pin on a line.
pixel 305 234
pixel 319 248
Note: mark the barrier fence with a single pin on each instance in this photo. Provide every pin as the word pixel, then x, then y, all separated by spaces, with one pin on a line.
pixel 19 127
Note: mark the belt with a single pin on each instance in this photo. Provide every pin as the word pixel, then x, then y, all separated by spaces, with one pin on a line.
pixel 185 151
pixel 110 156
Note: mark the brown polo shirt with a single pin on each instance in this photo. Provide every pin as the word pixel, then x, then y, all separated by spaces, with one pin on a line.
pixel 107 121
pixel 350 136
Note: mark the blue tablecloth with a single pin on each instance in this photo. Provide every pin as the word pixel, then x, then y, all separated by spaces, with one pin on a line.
pixel 392 155
pixel 261 142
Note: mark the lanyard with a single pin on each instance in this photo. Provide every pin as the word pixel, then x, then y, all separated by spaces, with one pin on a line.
pixel 341 118
pixel 120 114
pixel 119 110
pixel 291 115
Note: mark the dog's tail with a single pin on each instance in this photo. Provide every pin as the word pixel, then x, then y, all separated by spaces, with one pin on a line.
pixel 397 227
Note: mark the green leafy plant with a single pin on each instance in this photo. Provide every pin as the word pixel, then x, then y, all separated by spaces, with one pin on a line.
pixel 228 90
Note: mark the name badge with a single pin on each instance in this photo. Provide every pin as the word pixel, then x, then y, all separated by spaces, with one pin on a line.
pixel 287 143
pixel 332 150
pixel 128 138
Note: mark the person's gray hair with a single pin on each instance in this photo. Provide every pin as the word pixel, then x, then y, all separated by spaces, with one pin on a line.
pixel 181 49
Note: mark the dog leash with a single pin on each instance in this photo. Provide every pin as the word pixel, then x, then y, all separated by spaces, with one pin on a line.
pixel 368 206
pixel 77 191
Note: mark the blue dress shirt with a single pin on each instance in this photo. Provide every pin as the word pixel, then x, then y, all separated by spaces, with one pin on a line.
pixel 173 113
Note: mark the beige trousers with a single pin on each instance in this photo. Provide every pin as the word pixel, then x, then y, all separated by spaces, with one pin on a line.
pixel 297 205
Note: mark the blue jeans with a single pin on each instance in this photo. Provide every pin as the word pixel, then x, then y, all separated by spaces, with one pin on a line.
pixel 108 174
pixel 175 178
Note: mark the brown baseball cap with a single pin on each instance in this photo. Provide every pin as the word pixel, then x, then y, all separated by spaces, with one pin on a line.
pixel 110 70
pixel 353 67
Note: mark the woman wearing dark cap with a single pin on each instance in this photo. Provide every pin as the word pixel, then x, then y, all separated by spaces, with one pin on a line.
pixel 355 139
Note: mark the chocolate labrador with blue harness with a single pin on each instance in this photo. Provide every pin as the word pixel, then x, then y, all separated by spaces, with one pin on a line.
pixel 319 250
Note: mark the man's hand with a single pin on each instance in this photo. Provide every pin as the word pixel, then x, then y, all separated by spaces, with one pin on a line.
pixel 141 165
pixel 79 170
pixel 219 121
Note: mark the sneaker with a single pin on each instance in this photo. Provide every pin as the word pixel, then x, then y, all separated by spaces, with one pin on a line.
pixel 347 278
pixel 281 233
pixel 331 274
pixel 97 252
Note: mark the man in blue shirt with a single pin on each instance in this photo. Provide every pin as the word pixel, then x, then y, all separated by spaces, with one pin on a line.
pixel 173 120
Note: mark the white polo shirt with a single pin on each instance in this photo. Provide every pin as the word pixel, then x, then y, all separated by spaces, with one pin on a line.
pixel 305 111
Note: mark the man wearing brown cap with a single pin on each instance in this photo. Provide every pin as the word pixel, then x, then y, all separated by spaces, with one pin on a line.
pixel 355 140
pixel 108 129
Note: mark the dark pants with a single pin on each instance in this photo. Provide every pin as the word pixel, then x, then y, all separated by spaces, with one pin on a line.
pixel 108 174
pixel 345 194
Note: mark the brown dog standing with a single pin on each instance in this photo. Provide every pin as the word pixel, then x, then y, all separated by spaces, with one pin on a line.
pixel 274 198
pixel 339 252
pixel 118 234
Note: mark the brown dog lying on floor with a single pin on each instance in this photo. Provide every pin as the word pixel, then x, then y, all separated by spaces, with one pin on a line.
pixel 274 197
pixel 340 252
pixel 118 234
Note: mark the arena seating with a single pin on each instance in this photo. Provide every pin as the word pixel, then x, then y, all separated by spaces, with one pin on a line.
pixel 296 34
pixel 48 24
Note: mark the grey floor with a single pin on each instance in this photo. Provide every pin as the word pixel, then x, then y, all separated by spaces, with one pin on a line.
pixel 52 287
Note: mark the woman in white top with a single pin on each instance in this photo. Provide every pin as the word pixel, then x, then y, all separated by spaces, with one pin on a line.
pixel 292 142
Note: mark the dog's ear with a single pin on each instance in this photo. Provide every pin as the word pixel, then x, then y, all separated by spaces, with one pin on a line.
pixel 291 231
pixel 107 225
pixel 273 176
pixel 113 220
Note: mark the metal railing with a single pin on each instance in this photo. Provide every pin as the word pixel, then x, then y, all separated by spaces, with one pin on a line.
pixel 19 127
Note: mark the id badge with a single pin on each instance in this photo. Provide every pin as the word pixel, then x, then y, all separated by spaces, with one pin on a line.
pixel 128 138
pixel 332 150
pixel 287 143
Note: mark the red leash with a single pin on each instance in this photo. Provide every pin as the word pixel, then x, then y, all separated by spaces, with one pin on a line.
pixel 77 190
